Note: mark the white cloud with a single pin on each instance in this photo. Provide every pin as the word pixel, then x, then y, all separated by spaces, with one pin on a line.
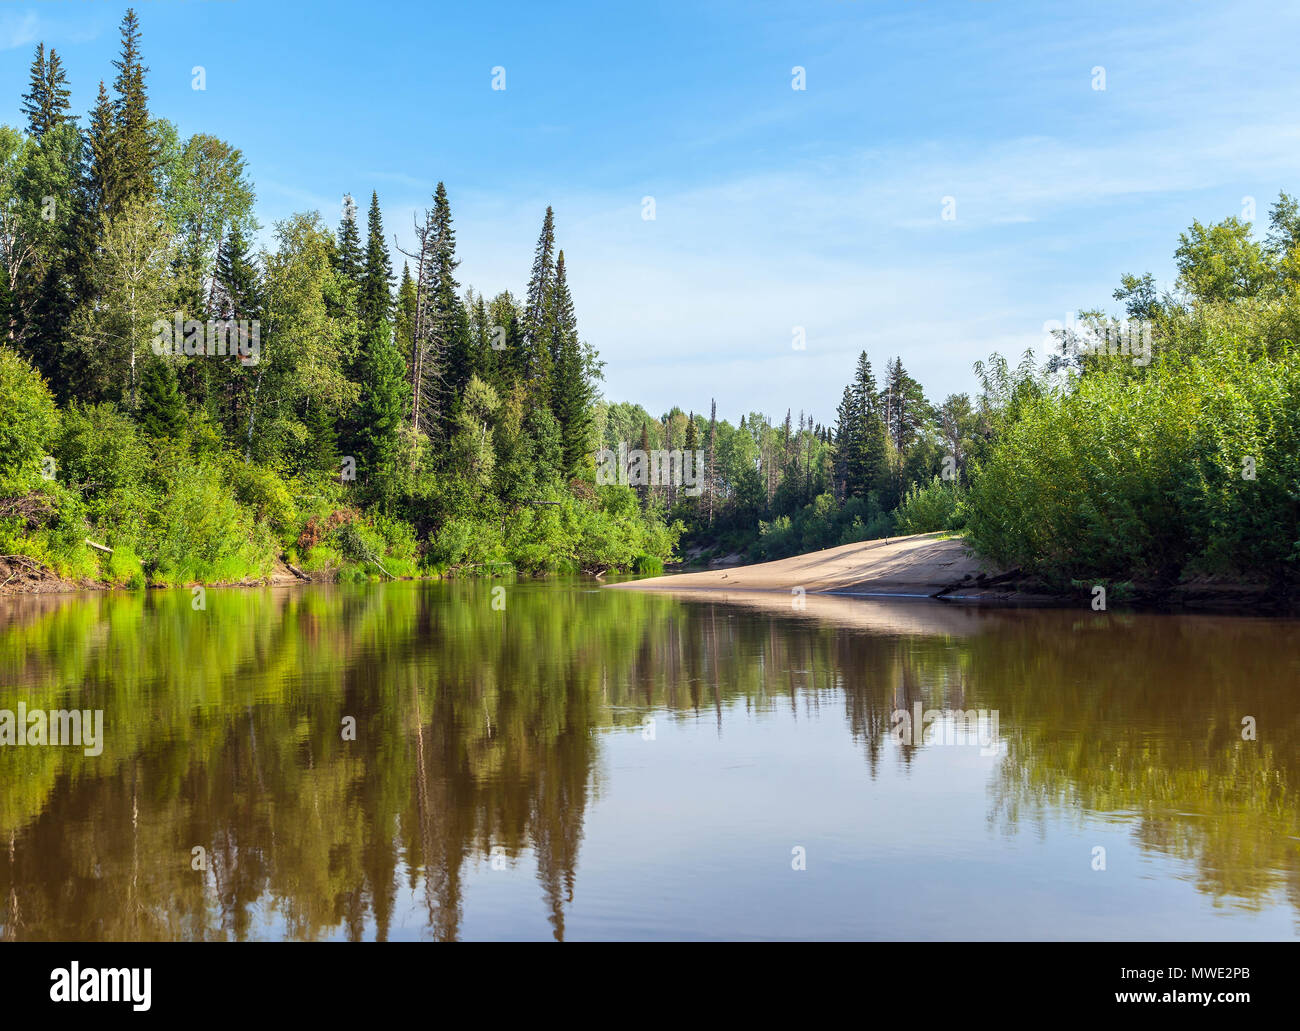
pixel 18 30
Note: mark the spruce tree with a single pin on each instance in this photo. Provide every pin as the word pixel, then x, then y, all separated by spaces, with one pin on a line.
pixel 46 102
pixel 486 362
pixel 537 302
pixel 381 410
pixel 322 453
pixel 57 95
pixel 846 425
pixel 906 409
pixel 348 259
pixel 445 359
pixel 237 296
pixel 376 300
pixel 162 412
pixel 404 312
pixel 137 157
pixel 571 390
pixel 865 466
pixel 101 158
pixel 35 102
pixel 237 284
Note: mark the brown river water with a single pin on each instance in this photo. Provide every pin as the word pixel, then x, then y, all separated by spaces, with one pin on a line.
pixel 411 761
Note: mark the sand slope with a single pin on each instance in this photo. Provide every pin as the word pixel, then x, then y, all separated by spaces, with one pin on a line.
pixel 923 565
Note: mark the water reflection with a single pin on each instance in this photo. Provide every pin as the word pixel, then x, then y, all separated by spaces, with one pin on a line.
pixel 482 740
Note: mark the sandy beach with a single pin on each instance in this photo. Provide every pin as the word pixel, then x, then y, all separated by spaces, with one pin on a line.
pixel 923 565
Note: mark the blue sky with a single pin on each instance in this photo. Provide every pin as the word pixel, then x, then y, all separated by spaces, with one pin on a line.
pixel 775 208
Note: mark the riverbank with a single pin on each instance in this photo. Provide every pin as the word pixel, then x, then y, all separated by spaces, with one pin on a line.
pixel 943 567
pixel 921 566
pixel 20 574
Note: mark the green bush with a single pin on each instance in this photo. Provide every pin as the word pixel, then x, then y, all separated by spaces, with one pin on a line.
pixel 28 422
pixel 1149 475
pixel 938 505
pixel 648 565
pixel 261 489
pixel 201 533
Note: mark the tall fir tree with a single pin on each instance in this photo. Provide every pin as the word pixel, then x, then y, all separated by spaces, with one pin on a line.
pixel 572 394
pixel 404 312
pixel 376 299
pixel 443 347
pixel 46 102
pixel 101 158
pixel 381 411
pixel 865 467
pixel 136 156
pixel 161 412
pixel 349 260
pixel 236 295
pixel 537 303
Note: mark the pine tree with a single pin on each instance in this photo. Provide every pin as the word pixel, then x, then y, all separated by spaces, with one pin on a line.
pixel 442 353
pixel 537 317
pixel 404 312
pixel 864 464
pixel 101 163
pixel 376 301
pixel 571 390
pixel 35 100
pixel 46 102
pixel 381 410
pixel 349 261
pixel 162 412
pixel 236 295
pixel 322 453
pixel 136 158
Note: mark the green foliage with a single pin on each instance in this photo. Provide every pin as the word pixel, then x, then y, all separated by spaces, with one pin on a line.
pixel 1150 476
pixel 202 533
pixel 937 505
pixel 265 494
pixel 28 421
pixel 648 565
pixel 162 412
pixel 823 524
pixel 382 408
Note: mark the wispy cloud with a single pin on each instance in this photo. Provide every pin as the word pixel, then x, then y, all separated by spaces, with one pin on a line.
pixel 18 30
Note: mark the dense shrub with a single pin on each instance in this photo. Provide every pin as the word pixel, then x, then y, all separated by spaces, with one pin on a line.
pixel 938 505
pixel 28 421
pixel 1150 474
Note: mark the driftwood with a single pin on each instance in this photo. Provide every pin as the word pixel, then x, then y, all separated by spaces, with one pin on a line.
pixel 99 547
pixel 294 569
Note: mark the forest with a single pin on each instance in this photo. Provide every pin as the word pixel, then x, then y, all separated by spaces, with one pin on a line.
pixel 183 407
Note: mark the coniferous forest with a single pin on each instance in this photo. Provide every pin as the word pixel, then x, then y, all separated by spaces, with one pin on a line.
pixel 360 414
pixel 184 406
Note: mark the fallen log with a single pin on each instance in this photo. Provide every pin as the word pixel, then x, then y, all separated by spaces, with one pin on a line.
pixel 294 569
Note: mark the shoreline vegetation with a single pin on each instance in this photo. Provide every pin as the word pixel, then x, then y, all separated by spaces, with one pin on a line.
pixel 183 408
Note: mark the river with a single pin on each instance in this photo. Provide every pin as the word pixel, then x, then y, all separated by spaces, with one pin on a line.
pixel 536 760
